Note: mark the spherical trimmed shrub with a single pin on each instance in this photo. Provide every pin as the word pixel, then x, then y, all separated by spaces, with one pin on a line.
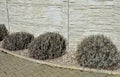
pixel 17 41
pixel 3 32
pixel 47 46
pixel 97 51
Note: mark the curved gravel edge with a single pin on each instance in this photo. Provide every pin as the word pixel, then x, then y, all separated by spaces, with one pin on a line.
pixel 62 66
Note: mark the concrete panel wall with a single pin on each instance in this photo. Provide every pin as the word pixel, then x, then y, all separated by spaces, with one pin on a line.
pixel 86 17
pixel 38 16
pixel 89 17
pixel 3 13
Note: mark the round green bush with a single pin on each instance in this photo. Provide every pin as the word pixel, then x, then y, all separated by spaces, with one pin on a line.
pixel 17 41
pixel 47 46
pixel 97 51
pixel 3 32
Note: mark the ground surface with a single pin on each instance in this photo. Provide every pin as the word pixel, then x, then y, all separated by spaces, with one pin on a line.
pixel 11 66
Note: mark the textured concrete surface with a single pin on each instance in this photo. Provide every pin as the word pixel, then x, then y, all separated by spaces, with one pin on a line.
pixel 38 16
pixel 86 17
pixel 3 13
pixel 11 66
pixel 89 17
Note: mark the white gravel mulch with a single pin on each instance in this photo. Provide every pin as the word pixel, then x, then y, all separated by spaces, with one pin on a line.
pixel 67 59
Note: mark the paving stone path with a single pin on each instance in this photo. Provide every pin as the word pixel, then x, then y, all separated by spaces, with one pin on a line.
pixel 11 66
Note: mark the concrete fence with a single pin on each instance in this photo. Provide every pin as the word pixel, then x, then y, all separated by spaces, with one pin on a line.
pixel 74 19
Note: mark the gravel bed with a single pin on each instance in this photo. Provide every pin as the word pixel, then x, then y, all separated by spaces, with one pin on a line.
pixel 67 59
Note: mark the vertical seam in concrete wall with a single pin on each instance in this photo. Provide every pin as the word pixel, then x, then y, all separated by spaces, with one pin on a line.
pixel 7 12
pixel 68 25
